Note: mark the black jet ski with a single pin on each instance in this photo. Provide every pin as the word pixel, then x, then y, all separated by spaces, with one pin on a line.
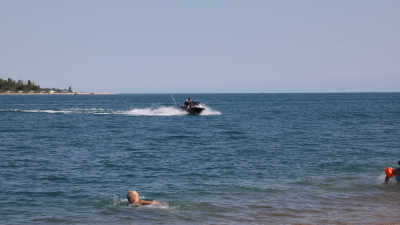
pixel 194 108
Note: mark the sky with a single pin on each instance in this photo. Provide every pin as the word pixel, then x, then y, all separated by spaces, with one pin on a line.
pixel 219 46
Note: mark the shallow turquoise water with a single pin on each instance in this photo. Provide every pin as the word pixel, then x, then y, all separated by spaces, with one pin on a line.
pixel 251 158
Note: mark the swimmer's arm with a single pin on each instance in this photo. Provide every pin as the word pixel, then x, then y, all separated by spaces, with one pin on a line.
pixel 386 180
pixel 142 202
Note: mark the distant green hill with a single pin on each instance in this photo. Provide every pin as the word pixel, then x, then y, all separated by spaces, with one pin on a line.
pixel 20 85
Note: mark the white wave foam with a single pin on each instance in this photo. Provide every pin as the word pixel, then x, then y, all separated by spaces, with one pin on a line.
pixel 110 200
pixel 46 111
pixel 65 111
pixel 167 111
pixel 209 112
pixel 381 178
pixel 162 206
pixel 161 111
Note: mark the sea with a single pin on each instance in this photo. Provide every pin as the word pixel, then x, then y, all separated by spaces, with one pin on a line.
pixel 309 158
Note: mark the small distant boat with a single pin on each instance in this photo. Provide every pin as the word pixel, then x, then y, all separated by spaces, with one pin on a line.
pixel 195 108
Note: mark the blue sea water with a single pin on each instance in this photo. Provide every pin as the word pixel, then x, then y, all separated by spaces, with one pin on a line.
pixel 249 159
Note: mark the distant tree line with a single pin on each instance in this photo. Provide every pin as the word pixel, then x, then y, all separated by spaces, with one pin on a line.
pixel 25 86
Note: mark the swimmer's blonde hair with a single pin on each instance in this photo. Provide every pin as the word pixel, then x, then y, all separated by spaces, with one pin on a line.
pixel 132 196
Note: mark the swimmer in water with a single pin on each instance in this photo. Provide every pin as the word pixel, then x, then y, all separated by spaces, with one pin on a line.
pixel 390 172
pixel 133 198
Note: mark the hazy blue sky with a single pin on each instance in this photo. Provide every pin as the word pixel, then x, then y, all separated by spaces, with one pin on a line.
pixel 203 46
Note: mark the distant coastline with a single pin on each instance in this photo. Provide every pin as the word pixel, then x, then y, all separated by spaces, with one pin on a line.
pixel 74 93
pixel 20 87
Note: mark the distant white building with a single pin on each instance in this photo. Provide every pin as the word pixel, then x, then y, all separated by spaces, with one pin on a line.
pixel 20 92
pixel 31 92
pixel 51 92
pixel 8 92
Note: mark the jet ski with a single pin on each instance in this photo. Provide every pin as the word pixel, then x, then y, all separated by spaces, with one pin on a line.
pixel 194 108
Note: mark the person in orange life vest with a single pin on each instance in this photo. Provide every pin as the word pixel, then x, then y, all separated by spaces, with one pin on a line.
pixel 390 172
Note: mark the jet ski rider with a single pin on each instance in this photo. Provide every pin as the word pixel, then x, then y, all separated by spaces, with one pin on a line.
pixel 188 102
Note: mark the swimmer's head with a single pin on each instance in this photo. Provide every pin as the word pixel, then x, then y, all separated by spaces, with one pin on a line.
pixel 132 196
pixel 390 172
pixel 398 163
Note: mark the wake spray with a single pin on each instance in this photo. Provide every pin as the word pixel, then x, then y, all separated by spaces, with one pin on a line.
pixel 174 100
